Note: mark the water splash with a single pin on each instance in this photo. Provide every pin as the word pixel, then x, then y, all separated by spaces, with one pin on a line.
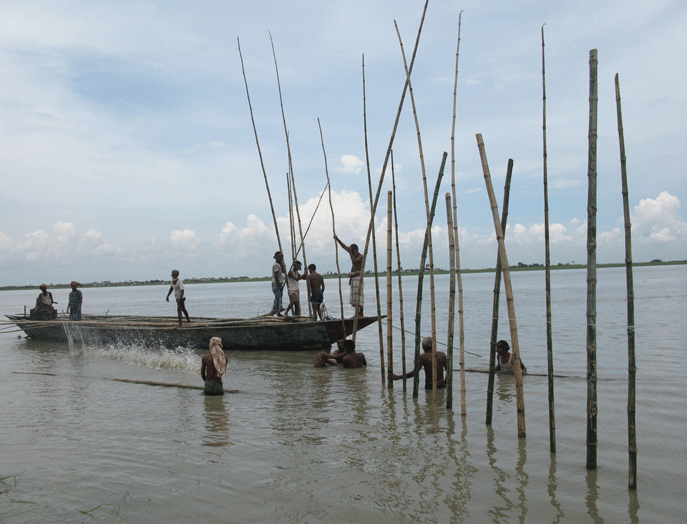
pixel 181 359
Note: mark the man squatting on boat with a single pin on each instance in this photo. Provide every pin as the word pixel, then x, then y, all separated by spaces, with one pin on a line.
pixel 355 277
pixel 426 364
pixel 177 285
pixel 212 366
pixel 315 282
pixel 44 302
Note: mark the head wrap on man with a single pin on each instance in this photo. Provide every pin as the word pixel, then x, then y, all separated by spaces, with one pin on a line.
pixel 219 359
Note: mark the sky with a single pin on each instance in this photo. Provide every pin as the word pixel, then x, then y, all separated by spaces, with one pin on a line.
pixel 127 145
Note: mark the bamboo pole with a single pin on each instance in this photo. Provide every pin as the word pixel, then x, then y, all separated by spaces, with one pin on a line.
pixel 451 303
pixel 520 400
pixel 592 407
pixel 292 229
pixel 400 285
pixel 336 244
pixel 497 296
pixel 461 323
pixel 420 280
pixel 631 362
pixel 262 164
pixel 389 323
pixel 374 243
pixel 549 328
pixel 391 140
pixel 429 230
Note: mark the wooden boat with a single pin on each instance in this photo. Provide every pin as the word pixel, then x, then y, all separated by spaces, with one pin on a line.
pixel 265 332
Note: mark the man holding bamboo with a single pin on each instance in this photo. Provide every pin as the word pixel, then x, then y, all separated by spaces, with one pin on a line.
pixel 355 277
pixel 426 364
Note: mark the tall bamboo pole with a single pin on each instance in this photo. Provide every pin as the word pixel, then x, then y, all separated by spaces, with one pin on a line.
pixel 262 164
pixel 400 285
pixel 520 400
pixel 497 295
pixel 451 303
pixel 429 230
pixel 420 279
pixel 549 330
pixel 393 135
pixel 631 363
pixel 292 228
pixel 374 242
pixel 389 323
pixel 461 323
pixel 592 407
pixel 336 244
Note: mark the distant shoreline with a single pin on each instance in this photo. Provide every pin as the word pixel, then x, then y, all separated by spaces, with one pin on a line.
pixel 409 272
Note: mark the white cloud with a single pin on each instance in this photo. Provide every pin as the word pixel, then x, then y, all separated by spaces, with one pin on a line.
pixel 351 164
pixel 93 235
pixel 658 220
pixel 185 238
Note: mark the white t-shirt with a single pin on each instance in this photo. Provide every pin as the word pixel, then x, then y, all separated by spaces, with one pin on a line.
pixel 178 288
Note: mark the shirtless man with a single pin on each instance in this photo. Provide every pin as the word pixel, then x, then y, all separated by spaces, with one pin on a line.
pixel 177 286
pixel 426 364
pixel 352 358
pixel 324 357
pixel 355 277
pixel 316 284
pixel 504 360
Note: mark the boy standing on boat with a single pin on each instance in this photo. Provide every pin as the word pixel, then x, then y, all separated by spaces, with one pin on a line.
pixel 178 287
pixel 355 277
pixel 316 285
pixel 278 270
pixel 75 302
pixel 212 366
pixel 294 289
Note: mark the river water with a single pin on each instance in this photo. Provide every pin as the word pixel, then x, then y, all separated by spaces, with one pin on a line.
pixel 302 445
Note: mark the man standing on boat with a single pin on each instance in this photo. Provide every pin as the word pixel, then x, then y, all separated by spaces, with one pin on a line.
pixel 426 364
pixel 178 287
pixel 278 271
pixel 294 288
pixel 355 277
pixel 75 301
pixel 316 285
pixel 212 366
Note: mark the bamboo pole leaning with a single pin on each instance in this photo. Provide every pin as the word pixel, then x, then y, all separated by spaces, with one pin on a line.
pixel 389 287
pixel 262 164
pixel 547 249
pixel 374 243
pixel 451 303
pixel 461 323
pixel 592 408
pixel 519 397
pixel 631 362
pixel 497 296
pixel 420 279
pixel 429 230
pixel 400 284
pixel 336 244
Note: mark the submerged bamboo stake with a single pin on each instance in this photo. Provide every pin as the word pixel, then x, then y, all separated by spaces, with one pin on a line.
pixel 374 242
pixel 389 257
pixel 592 407
pixel 520 400
pixel 549 329
pixel 262 164
pixel 429 229
pixel 497 296
pixel 631 363
pixel 420 280
pixel 461 324
pixel 400 285
pixel 336 244
pixel 451 303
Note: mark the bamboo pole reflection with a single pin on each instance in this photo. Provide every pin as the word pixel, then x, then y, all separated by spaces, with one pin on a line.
pixel 553 487
pixel 592 497
pixel 523 479
pixel 460 497
pixel 498 513
pixel 633 507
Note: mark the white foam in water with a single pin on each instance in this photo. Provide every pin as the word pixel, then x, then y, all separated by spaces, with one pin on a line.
pixel 180 359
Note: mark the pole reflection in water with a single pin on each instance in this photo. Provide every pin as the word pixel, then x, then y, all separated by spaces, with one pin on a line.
pixel 553 486
pixel 593 497
pixel 523 478
pixel 498 513
pixel 459 499
pixel 633 507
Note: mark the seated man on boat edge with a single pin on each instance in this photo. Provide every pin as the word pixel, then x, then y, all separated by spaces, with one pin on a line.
pixel 213 365
pixel 43 309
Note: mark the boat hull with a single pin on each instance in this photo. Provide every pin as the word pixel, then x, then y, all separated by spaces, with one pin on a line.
pixel 264 333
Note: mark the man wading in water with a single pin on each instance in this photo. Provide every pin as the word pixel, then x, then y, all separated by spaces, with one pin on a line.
pixel 355 277
pixel 426 364
pixel 213 365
